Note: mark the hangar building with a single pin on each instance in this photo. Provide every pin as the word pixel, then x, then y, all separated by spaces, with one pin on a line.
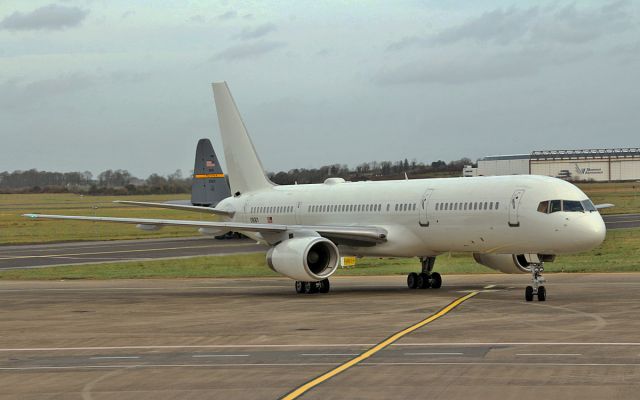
pixel 600 165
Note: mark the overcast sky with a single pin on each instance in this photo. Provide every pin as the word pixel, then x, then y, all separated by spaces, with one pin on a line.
pixel 92 85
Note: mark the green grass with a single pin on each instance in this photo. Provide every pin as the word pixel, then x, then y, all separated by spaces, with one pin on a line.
pixel 620 252
pixel 625 196
pixel 15 229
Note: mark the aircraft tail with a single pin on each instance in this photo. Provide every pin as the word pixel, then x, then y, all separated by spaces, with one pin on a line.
pixel 209 184
pixel 245 170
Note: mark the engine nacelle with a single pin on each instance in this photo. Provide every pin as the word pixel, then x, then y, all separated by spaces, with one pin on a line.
pixel 505 263
pixel 309 259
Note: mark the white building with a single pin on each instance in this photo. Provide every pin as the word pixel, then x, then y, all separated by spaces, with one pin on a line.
pixel 602 165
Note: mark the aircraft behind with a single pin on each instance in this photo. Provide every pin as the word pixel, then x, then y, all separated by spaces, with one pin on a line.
pixel 513 224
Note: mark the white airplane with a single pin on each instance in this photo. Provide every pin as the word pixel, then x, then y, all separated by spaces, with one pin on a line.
pixel 512 224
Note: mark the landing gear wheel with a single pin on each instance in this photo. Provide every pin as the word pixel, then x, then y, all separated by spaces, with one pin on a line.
pixel 436 280
pixel 324 286
pixel 423 281
pixel 312 287
pixel 542 293
pixel 300 287
pixel 528 293
pixel 412 280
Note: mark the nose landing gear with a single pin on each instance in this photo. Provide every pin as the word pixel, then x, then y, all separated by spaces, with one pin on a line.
pixel 537 289
pixel 427 278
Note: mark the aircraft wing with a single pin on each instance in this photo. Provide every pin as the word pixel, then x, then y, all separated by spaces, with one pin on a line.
pixel 360 235
pixel 175 206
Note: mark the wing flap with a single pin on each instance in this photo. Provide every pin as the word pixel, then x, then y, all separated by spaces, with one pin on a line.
pixel 173 206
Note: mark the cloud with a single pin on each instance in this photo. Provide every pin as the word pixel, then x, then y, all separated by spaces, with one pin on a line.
pixel 50 17
pixel 228 15
pixel 15 93
pixel 468 68
pixel 407 41
pixel 198 19
pixel 570 25
pixel 249 50
pixel 257 32
pixel 531 26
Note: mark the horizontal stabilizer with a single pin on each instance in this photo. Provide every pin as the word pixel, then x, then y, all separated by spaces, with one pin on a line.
pixel 182 207
pixel 606 205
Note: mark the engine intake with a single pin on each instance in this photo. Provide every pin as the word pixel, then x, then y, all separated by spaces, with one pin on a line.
pixel 308 259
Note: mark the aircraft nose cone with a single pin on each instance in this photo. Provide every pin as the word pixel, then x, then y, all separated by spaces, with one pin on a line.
pixel 593 231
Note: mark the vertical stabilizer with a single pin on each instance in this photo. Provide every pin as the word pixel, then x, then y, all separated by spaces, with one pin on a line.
pixel 243 165
pixel 209 184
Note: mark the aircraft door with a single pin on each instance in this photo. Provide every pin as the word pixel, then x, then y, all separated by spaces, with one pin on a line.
pixel 514 205
pixel 424 208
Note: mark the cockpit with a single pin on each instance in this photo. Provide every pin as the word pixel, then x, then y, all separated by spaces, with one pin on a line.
pixel 551 206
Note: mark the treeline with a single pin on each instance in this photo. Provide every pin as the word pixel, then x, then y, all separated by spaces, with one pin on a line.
pixel 374 170
pixel 109 182
pixel 122 182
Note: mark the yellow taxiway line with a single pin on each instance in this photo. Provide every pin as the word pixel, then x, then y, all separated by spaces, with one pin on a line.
pixel 393 338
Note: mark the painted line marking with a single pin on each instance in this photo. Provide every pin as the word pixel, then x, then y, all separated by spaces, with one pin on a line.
pixel 433 354
pixel 219 355
pixel 114 252
pixel 114 357
pixel 548 354
pixel 329 354
pixel 489 286
pixel 526 364
pixel 327 345
pixel 385 343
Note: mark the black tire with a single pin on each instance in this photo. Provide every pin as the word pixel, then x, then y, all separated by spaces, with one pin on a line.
pixel 423 281
pixel 436 280
pixel 542 294
pixel 528 293
pixel 412 280
pixel 313 287
pixel 324 286
pixel 300 287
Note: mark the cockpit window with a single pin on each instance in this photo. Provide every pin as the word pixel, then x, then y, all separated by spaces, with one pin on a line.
pixel 572 206
pixel 543 207
pixel 555 206
pixel 551 206
pixel 588 205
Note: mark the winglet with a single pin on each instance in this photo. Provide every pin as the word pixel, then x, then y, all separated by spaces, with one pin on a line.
pixel 243 165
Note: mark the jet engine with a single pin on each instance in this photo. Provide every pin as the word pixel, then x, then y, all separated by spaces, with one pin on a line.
pixel 308 259
pixel 505 263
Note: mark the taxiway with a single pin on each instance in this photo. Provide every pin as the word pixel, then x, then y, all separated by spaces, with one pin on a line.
pixel 257 339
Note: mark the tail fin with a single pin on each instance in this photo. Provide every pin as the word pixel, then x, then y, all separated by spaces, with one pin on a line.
pixel 244 167
pixel 209 184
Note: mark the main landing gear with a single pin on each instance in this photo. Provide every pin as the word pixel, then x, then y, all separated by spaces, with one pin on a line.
pixel 313 287
pixel 427 278
pixel 537 288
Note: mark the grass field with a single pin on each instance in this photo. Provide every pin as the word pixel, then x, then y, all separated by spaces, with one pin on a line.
pixel 15 229
pixel 620 252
